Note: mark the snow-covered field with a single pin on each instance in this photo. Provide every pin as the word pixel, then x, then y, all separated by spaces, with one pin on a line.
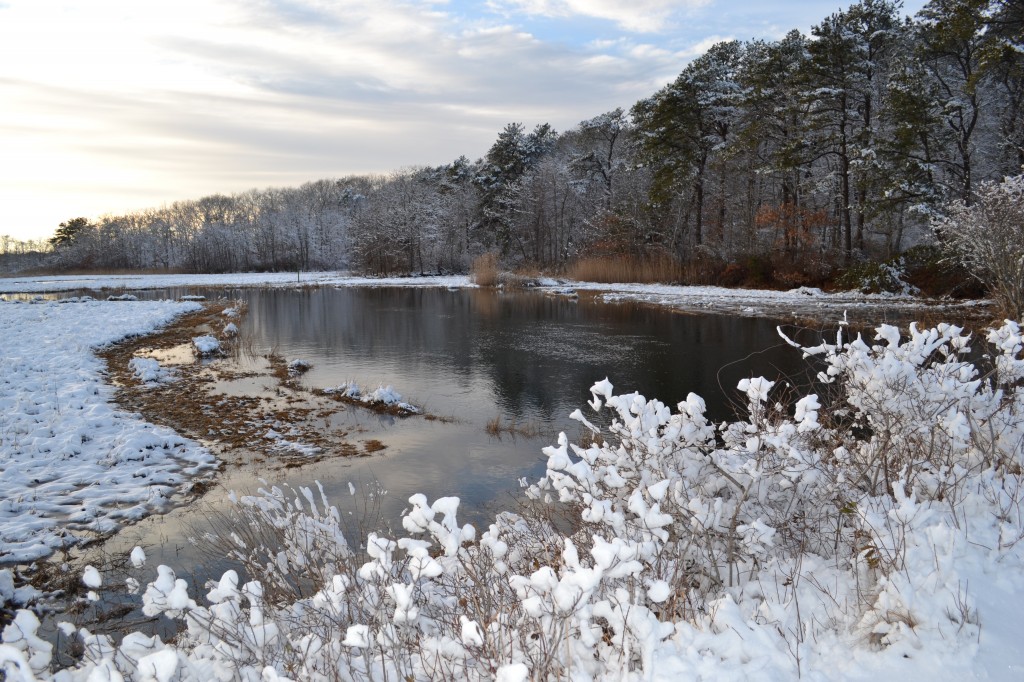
pixel 71 463
pixel 887 544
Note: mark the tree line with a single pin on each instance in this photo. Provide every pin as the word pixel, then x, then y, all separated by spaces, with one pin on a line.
pixel 800 155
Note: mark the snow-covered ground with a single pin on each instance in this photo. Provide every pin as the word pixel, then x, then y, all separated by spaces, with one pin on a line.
pixel 801 303
pixel 71 463
pixel 52 284
pixel 805 302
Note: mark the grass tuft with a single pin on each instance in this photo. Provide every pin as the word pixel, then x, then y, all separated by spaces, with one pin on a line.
pixel 484 271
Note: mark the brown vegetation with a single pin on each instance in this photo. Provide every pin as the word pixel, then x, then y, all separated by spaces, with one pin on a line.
pixel 497 426
pixel 484 271
pixel 705 269
pixel 233 426
pixel 656 268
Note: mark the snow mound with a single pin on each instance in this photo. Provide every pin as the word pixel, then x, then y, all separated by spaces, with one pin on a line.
pixel 297 367
pixel 206 345
pixel 382 396
pixel 149 370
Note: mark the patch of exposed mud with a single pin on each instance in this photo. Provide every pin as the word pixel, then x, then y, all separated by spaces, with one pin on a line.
pixel 248 413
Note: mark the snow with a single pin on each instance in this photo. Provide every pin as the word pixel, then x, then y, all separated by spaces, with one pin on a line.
pixel 149 370
pixel 206 345
pixel 385 396
pixel 49 284
pixel 298 366
pixel 888 544
pixel 803 301
pixel 91 577
pixel 73 463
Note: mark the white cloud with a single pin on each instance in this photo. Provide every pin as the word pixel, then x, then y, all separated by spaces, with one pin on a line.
pixel 111 105
pixel 641 16
pixel 699 48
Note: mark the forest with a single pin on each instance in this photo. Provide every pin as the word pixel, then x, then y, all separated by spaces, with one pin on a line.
pixel 770 163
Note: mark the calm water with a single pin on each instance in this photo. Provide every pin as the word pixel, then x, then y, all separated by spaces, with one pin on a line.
pixel 480 354
pixel 472 355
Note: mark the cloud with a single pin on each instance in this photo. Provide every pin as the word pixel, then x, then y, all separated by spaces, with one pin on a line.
pixel 639 16
pixel 115 105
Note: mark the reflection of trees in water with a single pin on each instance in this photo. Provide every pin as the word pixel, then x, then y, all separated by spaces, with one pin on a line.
pixel 539 353
pixel 639 348
pixel 409 327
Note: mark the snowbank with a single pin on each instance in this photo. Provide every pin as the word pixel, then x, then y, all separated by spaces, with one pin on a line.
pixel 74 464
pixel 802 302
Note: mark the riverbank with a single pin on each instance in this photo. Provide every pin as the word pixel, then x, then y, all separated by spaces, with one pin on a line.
pixel 795 305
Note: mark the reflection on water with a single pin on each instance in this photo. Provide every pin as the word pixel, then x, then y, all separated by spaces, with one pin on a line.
pixel 475 355
pixel 479 354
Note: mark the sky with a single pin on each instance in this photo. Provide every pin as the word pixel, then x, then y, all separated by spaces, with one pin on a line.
pixel 110 106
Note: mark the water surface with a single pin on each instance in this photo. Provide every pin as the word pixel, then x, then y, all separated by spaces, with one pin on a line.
pixel 470 356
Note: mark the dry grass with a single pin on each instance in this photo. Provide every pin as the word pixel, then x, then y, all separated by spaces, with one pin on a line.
pixel 484 271
pixel 497 426
pixel 232 426
pixel 657 268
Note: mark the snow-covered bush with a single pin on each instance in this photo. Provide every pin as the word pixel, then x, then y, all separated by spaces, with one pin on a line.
pixel 862 520
pixel 987 237
pixel 871 277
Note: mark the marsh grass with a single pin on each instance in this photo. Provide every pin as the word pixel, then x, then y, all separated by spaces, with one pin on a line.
pixel 497 427
pixel 484 271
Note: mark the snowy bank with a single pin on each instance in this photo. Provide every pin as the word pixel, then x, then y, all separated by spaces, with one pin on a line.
pixel 74 465
pixel 804 302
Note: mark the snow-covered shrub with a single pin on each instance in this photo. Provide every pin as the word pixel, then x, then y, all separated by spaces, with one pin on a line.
pixel 987 237
pixel 669 548
pixel 872 277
